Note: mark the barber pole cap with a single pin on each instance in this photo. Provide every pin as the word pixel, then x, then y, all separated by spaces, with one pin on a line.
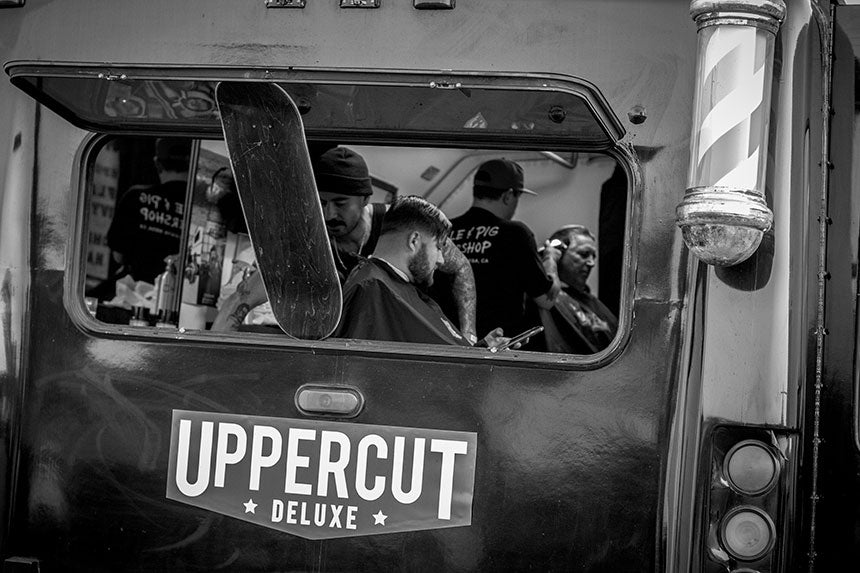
pixel 768 14
pixel 724 216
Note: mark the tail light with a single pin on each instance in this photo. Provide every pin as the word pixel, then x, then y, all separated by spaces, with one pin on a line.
pixel 747 533
pixel 751 467
pixel 748 468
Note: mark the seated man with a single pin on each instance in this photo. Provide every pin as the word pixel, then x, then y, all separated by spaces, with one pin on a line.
pixel 382 298
pixel 354 224
pixel 577 323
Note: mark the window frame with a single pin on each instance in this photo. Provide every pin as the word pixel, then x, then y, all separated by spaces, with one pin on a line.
pixel 21 72
pixel 75 277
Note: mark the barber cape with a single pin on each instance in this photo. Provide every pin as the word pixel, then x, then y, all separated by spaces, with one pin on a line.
pixel 578 323
pixel 379 304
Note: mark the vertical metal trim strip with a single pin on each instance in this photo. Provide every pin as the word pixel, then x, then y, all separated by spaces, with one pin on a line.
pixel 23 370
pixel 191 183
pixel 826 27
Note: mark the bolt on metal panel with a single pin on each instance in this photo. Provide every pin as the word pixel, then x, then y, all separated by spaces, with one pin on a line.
pixel 285 3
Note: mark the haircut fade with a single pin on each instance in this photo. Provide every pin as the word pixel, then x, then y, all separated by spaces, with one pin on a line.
pixel 415 213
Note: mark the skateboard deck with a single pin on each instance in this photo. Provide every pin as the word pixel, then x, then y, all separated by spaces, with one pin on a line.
pixel 269 155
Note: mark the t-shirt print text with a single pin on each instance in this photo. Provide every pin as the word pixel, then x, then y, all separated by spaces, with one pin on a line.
pixel 158 215
pixel 475 241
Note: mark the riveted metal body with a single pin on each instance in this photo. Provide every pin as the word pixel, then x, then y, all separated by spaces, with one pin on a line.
pixel 608 462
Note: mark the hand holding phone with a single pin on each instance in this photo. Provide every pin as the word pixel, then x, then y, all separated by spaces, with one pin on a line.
pixel 518 338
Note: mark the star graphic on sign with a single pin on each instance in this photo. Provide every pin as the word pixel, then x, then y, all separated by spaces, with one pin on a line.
pixel 250 506
pixel 379 518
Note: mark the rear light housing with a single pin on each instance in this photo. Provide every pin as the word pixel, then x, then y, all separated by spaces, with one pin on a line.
pixel 745 521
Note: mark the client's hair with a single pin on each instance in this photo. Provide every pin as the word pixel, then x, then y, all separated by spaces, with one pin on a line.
pixel 566 234
pixel 411 213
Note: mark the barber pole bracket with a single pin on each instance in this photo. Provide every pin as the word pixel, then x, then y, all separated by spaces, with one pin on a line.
pixel 723 226
pixel 723 215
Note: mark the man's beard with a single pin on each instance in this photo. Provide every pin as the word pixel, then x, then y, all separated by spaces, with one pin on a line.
pixel 336 228
pixel 421 268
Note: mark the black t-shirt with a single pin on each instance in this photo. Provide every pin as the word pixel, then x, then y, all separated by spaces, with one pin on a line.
pixel 147 227
pixel 506 265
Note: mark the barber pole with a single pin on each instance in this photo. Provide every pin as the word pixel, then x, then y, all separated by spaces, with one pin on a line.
pixel 724 213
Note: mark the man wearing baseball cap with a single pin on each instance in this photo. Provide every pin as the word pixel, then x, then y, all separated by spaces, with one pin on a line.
pixel 147 225
pixel 502 252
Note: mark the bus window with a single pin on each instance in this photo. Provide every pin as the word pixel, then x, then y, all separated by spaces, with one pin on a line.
pixel 580 206
pixel 135 221
pixel 417 133
pixel 583 191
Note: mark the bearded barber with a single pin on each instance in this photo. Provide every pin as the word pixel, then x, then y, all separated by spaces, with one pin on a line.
pixel 354 225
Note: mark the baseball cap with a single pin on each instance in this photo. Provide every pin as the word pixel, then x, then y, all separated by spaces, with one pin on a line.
pixel 342 170
pixel 172 149
pixel 501 174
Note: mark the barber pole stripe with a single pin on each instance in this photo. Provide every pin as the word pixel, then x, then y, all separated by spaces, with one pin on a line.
pixel 724 215
pixel 733 116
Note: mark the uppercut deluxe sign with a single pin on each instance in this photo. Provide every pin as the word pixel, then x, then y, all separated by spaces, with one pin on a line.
pixel 322 480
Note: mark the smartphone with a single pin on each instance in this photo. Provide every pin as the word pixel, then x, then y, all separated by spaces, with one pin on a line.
pixel 518 338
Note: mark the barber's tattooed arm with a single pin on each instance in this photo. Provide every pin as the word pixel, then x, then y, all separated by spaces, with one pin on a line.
pixel 236 317
pixel 457 265
pixel 249 294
